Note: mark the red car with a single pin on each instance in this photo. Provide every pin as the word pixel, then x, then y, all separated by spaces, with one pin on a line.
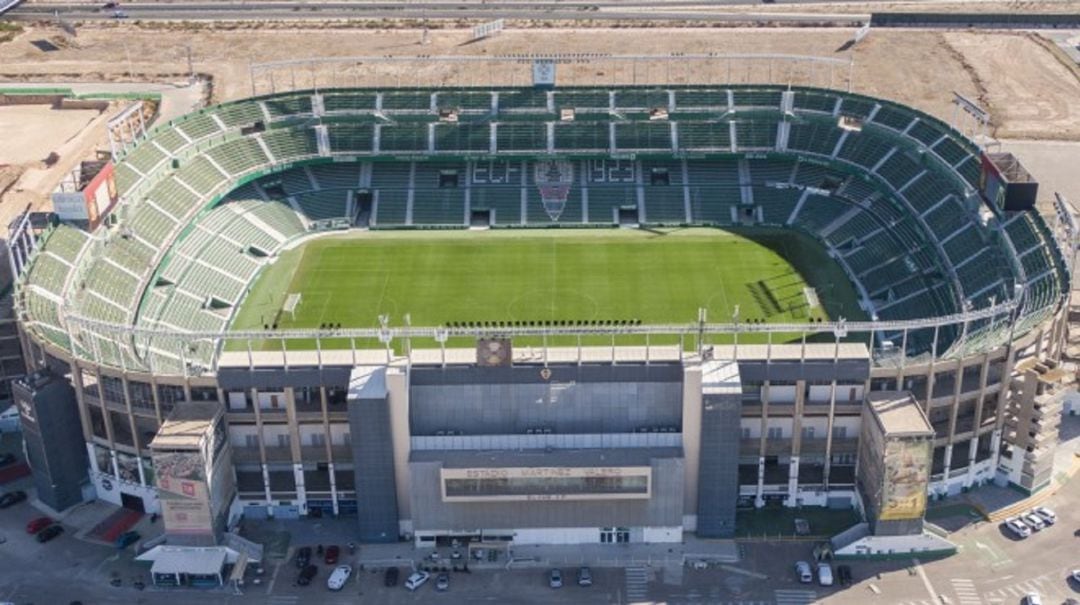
pixel 36 525
pixel 332 554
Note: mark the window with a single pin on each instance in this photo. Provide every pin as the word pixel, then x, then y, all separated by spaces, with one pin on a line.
pixel 318 439
pixel 112 389
pixel 251 441
pixel 746 433
pixel 283 440
pixel 776 432
pixel 807 432
pixel 839 432
pixel 142 395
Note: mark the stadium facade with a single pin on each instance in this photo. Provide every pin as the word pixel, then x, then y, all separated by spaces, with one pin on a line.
pixel 632 442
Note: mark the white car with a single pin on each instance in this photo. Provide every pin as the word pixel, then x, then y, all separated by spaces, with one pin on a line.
pixel 417 580
pixel 1075 575
pixel 1018 527
pixel 339 577
pixel 1032 598
pixel 1033 521
pixel 824 574
pixel 802 571
pixel 1048 516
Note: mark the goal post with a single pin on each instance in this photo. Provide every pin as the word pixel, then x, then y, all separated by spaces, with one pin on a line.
pixel 292 301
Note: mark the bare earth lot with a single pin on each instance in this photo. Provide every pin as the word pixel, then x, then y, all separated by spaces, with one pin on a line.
pixel 38 130
pixel 1025 83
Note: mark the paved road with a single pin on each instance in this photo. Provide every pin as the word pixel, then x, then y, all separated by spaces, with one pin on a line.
pixel 224 11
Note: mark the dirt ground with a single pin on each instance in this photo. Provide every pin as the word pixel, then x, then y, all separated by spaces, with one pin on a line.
pixel 1023 81
pixel 38 130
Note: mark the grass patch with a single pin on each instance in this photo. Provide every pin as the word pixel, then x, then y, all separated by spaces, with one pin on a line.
pixel 779 522
pixel 8 31
pixel 655 276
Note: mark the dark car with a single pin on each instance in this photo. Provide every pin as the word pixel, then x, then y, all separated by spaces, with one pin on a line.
pixel 109 5
pixel 303 557
pixel 331 555
pixel 49 533
pixel 391 576
pixel 6 459
pixel 12 498
pixel 844 574
pixel 127 539
pixel 306 575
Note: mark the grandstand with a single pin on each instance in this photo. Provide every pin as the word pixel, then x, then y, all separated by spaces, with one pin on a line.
pixel 155 308
pixel 206 204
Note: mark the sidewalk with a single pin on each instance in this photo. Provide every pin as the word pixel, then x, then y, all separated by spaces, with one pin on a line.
pixel 997 503
pixel 544 555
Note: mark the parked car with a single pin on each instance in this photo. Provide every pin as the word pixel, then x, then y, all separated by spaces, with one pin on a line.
pixel 390 578
pixel 37 524
pixel 442 583
pixel 307 574
pixel 802 571
pixel 843 573
pixel 824 574
pixel 6 459
pixel 1033 521
pixel 1032 598
pixel 555 578
pixel 417 580
pixel 584 576
pixel 119 14
pixel 1075 575
pixel 303 557
pixel 1017 527
pixel 12 498
pixel 331 555
pixel 127 539
pixel 109 5
pixel 49 533
pixel 339 577
pixel 1048 516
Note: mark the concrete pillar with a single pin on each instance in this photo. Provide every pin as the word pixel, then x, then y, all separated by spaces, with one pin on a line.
pixel 397 386
pixel 691 436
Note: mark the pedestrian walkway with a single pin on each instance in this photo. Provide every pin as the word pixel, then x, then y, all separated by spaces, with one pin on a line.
pixel 794 597
pixel 966 593
pixel 637 583
pixel 1045 585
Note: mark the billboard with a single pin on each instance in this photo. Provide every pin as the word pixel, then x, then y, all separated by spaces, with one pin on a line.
pixel 907 473
pixel 92 203
pixel 185 500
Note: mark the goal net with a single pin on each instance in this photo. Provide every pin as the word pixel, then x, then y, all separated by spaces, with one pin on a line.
pixel 292 301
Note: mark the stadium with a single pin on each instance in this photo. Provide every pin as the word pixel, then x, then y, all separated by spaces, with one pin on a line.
pixel 636 308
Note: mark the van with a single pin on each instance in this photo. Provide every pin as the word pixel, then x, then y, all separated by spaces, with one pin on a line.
pixel 417 580
pixel 824 574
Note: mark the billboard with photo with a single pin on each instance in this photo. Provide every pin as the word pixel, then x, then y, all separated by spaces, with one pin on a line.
pixel 907 473
pixel 180 477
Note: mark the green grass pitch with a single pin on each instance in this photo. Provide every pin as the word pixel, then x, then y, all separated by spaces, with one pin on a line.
pixel 656 276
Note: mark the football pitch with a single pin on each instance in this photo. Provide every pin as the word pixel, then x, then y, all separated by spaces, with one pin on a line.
pixel 654 276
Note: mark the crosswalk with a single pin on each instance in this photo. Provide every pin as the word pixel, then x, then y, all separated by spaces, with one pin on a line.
pixel 1043 585
pixel 966 593
pixel 637 583
pixel 794 597
pixel 282 600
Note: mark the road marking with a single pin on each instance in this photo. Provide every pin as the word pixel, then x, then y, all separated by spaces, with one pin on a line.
pixel 794 597
pixel 966 592
pixel 273 577
pixel 745 572
pixel 637 583
pixel 925 580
